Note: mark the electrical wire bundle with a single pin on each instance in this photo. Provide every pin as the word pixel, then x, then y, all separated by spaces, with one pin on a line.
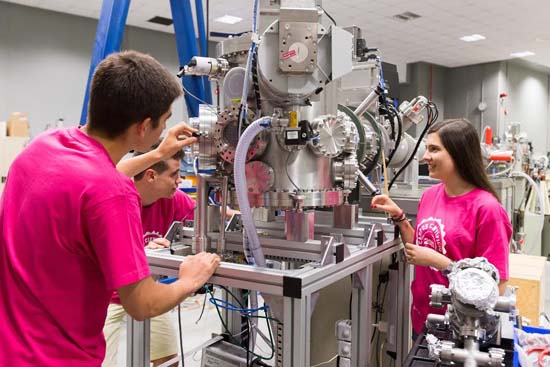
pixel 433 114
pixel 388 109
pixel 248 313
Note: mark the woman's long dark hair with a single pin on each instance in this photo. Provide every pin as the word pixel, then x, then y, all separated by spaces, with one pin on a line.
pixel 460 139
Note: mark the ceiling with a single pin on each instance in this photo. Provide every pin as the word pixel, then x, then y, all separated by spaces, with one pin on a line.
pixel 508 25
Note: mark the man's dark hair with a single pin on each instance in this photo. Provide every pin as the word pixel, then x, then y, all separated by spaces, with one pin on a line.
pixel 128 87
pixel 160 166
pixel 460 139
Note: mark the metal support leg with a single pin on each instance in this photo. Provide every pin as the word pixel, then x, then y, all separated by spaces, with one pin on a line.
pixel 403 325
pixel 200 239
pixel 297 330
pixel 137 343
pixel 361 318
pixel 234 320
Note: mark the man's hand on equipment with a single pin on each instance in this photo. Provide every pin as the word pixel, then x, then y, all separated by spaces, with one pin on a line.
pixel 176 138
pixel 158 243
pixel 195 270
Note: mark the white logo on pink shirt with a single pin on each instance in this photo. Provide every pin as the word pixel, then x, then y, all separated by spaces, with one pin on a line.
pixel 150 235
pixel 430 232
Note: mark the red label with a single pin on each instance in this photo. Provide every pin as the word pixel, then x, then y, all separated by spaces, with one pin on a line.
pixel 289 54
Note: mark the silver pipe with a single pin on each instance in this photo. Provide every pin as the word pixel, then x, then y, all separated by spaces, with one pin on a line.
pixel 199 239
pixel 435 319
pixel 367 102
pixel 369 186
pixel 223 210
pixel 505 304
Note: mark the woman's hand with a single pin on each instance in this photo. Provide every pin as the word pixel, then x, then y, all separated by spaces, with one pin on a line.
pixel 383 202
pixel 425 256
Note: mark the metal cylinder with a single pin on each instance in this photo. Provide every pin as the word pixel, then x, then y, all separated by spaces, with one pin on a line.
pixel 435 319
pixel 367 102
pixel 364 180
pixel 200 239
pixel 223 210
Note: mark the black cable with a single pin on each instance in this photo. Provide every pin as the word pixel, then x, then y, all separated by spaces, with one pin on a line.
pixel 181 336
pixel 372 164
pixel 399 134
pixel 381 312
pixel 328 15
pixel 376 310
pixel 203 307
pixel 249 361
pixel 376 303
pixel 249 328
pixel 433 114
pixel 255 83
pixel 286 170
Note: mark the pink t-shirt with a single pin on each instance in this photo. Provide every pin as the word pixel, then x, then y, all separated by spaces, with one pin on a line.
pixel 70 234
pixel 466 226
pixel 157 218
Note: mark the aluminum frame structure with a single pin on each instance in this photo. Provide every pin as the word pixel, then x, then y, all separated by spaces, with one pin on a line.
pixel 298 289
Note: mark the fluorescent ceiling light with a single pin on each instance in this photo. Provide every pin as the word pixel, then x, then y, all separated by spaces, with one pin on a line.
pixel 522 54
pixel 228 19
pixel 473 38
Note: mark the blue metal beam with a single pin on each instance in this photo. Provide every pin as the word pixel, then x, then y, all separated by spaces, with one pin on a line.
pixel 203 42
pixel 187 48
pixel 108 38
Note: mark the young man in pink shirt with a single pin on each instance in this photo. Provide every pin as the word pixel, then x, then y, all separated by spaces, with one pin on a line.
pixel 70 226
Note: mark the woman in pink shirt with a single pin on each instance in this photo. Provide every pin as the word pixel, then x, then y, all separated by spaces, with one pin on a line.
pixel 459 218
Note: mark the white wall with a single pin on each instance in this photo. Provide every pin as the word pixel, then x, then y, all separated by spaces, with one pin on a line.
pixel 528 102
pixel 45 59
pixel 526 84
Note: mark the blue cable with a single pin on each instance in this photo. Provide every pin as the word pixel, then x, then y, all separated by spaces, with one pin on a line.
pixel 231 307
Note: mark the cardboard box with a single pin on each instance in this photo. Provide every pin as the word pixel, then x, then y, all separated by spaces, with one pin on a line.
pixel 18 125
pixel 18 128
pixel 528 273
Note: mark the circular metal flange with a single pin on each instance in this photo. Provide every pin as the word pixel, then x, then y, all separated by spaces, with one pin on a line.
pixel 286 87
pixel 204 148
pixel 286 199
pixel 226 135
pixel 369 147
pixel 345 172
pixel 260 177
pixel 332 136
